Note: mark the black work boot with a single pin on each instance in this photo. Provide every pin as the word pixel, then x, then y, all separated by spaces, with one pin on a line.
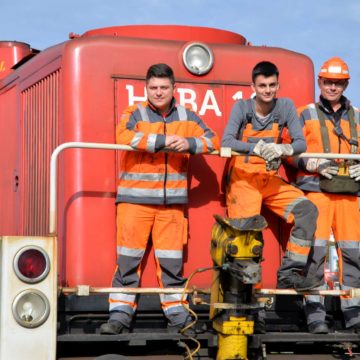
pixel 113 327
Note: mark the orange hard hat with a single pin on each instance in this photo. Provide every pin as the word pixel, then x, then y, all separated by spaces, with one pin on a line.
pixel 334 68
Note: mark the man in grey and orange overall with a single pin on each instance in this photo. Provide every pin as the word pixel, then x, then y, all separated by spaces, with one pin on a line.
pixel 254 129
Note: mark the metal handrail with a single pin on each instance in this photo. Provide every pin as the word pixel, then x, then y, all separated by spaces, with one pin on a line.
pixel 86 290
pixel 86 145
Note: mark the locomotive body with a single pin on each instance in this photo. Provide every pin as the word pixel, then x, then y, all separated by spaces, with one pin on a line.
pixel 74 92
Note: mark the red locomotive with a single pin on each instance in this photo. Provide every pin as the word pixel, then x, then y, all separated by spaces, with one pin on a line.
pixel 73 92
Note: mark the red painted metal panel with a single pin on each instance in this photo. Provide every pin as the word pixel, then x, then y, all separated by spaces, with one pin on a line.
pixel 8 162
pixel 11 52
pixel 172 32
pixel 40 136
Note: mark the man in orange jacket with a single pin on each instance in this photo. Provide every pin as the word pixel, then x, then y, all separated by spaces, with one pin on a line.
pixel 332 126
pixel 152 193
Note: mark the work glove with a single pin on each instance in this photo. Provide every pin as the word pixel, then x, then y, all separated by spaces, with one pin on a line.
pixel 258 147
pixel 324 167
pixel 273 164
pixel 273 151
pixel 354 171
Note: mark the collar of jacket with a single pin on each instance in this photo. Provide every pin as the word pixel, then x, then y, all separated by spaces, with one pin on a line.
pixel 325 105
pixel 155 109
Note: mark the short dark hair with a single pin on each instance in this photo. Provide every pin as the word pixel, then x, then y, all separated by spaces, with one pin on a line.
pixel 160 71
pixel 265 68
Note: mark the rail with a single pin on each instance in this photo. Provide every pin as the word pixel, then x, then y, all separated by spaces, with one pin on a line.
pixel 224 152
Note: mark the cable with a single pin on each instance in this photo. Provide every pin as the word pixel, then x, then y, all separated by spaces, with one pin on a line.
pixel 184 303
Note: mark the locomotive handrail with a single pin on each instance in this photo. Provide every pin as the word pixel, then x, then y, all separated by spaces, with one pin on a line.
pixel 86 290
pixel 53 171
pixel 224 152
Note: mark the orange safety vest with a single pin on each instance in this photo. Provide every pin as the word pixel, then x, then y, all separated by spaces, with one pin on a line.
pixel 320 138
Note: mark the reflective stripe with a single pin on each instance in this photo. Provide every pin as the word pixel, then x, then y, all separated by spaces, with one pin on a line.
pixel 296 257
pixel 173 309
pixel 352 244
pixel 136 140
pixel 308 183
pixel 115 306
pixel 116 297
pixel 356 115
pixel 321 243
pixel 209 143
pixel 312 111
pixel 150 145
pixel 199 146
pixel 170 297
pixel 122 250
pixel 156 193
pixel 152 176
pixel 137 192
pixel 128 307
pixel 181 112
pixel 182 192
pixel 300 242
pixel 169 254
pixel 291 206
pixel 143 113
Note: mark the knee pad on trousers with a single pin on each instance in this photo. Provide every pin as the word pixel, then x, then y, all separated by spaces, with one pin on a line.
pixel 305 217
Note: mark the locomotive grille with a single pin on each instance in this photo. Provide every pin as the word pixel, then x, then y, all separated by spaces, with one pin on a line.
pixel 40 136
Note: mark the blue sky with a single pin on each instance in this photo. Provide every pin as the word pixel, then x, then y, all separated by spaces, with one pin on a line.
pixel 318 28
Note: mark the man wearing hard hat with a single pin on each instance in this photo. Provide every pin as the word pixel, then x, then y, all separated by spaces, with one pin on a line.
pixel 332 126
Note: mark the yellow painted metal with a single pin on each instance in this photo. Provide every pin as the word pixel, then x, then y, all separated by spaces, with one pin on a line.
pixel 224 240
pixel 232 338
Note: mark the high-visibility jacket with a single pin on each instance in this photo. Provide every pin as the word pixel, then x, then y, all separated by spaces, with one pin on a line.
pixel 148 176
pixel 313 134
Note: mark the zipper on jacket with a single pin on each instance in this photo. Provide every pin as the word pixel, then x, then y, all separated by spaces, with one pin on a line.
pixel 166 161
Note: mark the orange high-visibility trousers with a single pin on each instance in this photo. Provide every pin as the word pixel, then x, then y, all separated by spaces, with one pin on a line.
pixel 248 191
pixel 168 229
pixel 339 213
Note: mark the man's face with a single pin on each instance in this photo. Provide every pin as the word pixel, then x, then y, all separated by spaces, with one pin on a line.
pixel 160 92
pixel 265 88
pixel 332 89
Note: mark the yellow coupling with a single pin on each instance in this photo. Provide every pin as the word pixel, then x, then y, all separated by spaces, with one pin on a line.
pixel 232 337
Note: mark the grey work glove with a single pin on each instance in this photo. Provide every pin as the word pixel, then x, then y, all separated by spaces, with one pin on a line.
pixel 324 167
pixel 273 151
pixel 354 171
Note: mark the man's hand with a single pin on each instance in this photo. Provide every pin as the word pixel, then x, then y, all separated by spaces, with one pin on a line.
pixel 324 167
pixel 354 171
pixel 258 147
pixel 273 151
pixel 176 143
